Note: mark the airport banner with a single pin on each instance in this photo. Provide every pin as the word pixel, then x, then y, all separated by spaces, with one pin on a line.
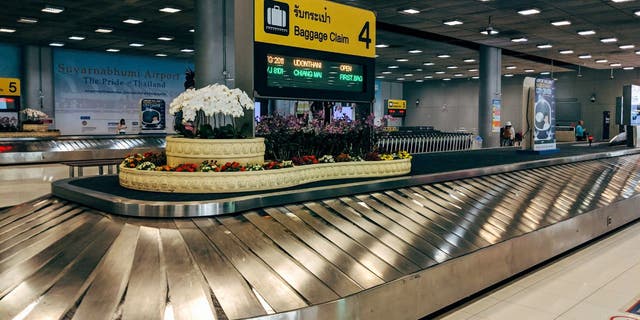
pixel 94 90
pixel 316 25
pixel 544 115
pixel 496 125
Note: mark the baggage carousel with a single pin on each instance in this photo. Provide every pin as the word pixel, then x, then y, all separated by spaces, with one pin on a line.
pixel 398 248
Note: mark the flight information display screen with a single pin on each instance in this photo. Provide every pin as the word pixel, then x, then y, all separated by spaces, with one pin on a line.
pixel 9 103
pixel 308 73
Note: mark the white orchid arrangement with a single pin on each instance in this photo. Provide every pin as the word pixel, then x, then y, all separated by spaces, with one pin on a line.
pixel 34 114
pixel 215 99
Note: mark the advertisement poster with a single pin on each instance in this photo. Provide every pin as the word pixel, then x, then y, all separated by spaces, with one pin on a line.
pixel 544 114
pixel 495 115
pixel 634 107
pixel 152 114
pixel 94 90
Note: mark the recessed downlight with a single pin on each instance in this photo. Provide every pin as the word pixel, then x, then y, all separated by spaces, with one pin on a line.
pixel 446 79
pixel 379 77
pixel 586 32
pixel 52 9
pixel 626 46
pixel 602 61
pixel 7 30
pixel 561 23
pixel 615 65
pixel 428 77
pixel 402 60
pixel 165 38
pixel 410 11
pixel 519 39
pixel 565 51
pixel 136 44
pixel 452 67
pixel 408 75
pixel 382 45
pixel 393 67
pixel 469 60
pixel 187 50
pixel 544 73
pixel 473 70
pixel 458 75
pixel 76 38
pixel 28 20
pixel 584 56
pixel 508 75
pixel 104 30
pixel 414 51
pixel 528 12
pixel 386 72
pixel 133 21
pixel 628 68
pixel 440 72
pixel 56 44
pixel 428 63
pixel 169 10
pixel 400 79
pixel 160 54
pixel 529 70
pixel 511 67
pixel 112 50
pixel 194 30
pixel 475 77
pixel 419 80
pixel 609 40
pixel 544 46
pixel 443 56
pixel 454 22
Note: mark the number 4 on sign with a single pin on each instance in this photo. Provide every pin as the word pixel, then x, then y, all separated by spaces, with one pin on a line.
pixel 364 34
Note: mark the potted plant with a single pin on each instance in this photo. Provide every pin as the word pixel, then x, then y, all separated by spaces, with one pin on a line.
pixel 35 120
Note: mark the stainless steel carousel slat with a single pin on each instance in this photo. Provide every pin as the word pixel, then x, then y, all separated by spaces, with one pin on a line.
pixel 18 222
pixel 353 268
pixel 324 270
pixel 24 209
pixel 275 291
pixel 228 286
pixel 369 259
pixel 39 220
pixel 8 243
pixel 536 192
pixel 303 281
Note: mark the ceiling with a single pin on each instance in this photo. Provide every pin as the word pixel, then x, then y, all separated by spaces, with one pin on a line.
pixel 608 19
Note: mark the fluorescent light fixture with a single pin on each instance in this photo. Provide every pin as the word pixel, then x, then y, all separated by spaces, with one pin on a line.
pixel 627 68
pixel 455 22
pixel 638 52
pixel 135 44
pixel 584 56
pixel 489 32
pixel 446 79
pixel 165 38
pixel 7 30
pixel 379 77
pixel 104 30
pixel 511 67
pixel 169 10
pixel 132 21
pixel 194 30
pixel 544 73
pixel 410 11
pixel 637 13
pixel 458 75
pixel 113 50
pixel 393 67
pixel 619 1
pixel 428 77
pixel 473 70
pixel 475 77
pixel 400 79
pixel 626 46
pixel 452 67
pixel 428 63
pixel 160 54
pixel 544 46
pixel 408 74
pixel 386 72
pixel 565 51
pixel 444 56
pixel 528 12
pixel 561 23
pixel 27 20
pixel 382 45
pixel 76 38
pixel 520 39
pixel 187 50
pixel 402 60
pixel 602 61
pixel 418 70
pixel 52 9
pixel 469 60
pixel 415 51
pixel 419 80
pixel 608 40
pixel 508 75
pixel 529 70
pixel 586 32
pixel 615 65
pixel 56 44
pixel 440 72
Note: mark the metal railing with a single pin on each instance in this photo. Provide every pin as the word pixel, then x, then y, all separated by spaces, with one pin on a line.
pixel 425 142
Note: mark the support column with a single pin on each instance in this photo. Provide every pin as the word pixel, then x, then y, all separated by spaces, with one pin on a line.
pixel 209 42
pixel 490 88
pixel 37 79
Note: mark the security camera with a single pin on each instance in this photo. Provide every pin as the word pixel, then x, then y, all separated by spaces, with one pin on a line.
pixel 593 98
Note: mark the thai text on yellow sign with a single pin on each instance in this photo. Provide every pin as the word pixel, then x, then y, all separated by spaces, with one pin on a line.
pixel 397 104
pixel 9 87
pixel 316 25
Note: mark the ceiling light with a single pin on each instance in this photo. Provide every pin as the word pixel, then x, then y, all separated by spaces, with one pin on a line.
pixel 56 44
pixel 410 11
pixel 618 1
pixel 377 55
pixel 428 77
pixel 520 39
pixel 415 51
pixel 186 50
pixel 544 46
pixel 638 52
pixel 169 10
pixel 473 70
pixel 132 21
pixel 194 30
pixel 602 61
pixel 444 56
pixel 400 79
pixel 419 70
pixel 52 9
pixel 382 45
pixel 475 77
pixel 565 51
pixel 452 67
pixel 104 30
pixel 584 56
pixel 113 50
pixel 627 46
pixel 440 72
pixel 561 23
pixel 458 75
pixel 7 30
pixel 637 13
pixel 615 65
pixel 586 32
pixel 528 12
pixel 77 38
pixel 419 80
pixel 28 20
pixel 627 68
pixel 446 79
pixel 545 73
pixel 379 77
pixel 165 38
pixel 428 63
pixel 609 40
pixel 489 31
pixel 453 22
pixel 402 60
pixel 135 44
pixel 469 60
pixel 408 74
pixel 529 70
pixel 510 67
pixel 508 75
pixel 386 72
pixel 393 67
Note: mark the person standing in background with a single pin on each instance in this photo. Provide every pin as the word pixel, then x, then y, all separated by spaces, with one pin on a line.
pixel 508 134
pixel 122 127
pixel 581 133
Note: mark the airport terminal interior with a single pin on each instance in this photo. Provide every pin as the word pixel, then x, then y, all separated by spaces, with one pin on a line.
pixel 311 159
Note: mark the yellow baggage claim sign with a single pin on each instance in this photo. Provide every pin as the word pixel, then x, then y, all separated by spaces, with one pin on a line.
pixel 316 25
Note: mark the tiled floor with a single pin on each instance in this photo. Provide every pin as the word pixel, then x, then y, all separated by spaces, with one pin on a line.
pixel 600 282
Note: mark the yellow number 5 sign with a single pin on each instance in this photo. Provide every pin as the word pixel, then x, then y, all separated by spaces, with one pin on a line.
pixel 9 87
